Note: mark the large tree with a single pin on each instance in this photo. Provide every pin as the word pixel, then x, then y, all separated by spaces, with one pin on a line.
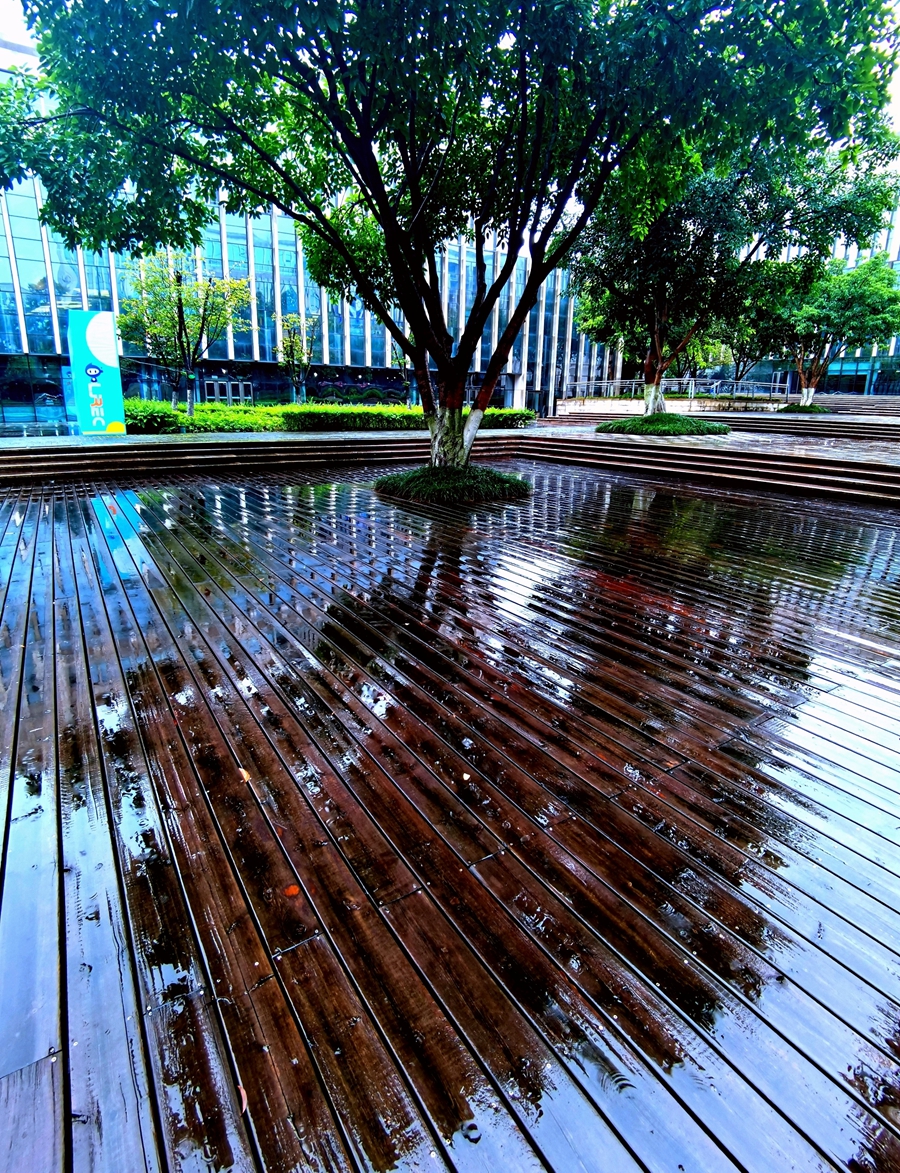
pixel 385 128
pixel 698 270
pixel 835 310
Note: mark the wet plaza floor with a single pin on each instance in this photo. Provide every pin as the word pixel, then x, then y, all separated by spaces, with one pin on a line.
pixel 337 835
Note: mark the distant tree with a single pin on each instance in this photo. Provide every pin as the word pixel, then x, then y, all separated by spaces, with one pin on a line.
pixel 295 351
pixel 178 316
pixel 695 270
pixel 702 352
pixel 752 329
pixel 841 309
pixel 386 129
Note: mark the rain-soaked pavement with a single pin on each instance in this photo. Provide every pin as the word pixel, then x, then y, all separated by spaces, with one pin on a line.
pixel 345 836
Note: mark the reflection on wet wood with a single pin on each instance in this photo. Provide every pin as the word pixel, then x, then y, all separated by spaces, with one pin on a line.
pixel 344 836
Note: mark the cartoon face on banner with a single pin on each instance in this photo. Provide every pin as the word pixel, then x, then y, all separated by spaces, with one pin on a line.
pixel 96 380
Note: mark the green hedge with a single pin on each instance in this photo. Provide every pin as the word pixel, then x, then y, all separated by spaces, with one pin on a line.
pixel 327 417
pixel 150 417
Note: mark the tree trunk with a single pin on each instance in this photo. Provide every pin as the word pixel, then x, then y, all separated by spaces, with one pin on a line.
pixel 654 400
pixel 190 384
pixel 448 438
pixel 808 383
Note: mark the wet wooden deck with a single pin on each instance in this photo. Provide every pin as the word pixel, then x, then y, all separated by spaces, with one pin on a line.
pixel 340 836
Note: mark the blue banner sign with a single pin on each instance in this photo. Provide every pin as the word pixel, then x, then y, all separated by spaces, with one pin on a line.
pixel 96 381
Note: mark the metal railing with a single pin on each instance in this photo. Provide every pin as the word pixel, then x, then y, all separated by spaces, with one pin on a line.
pixel 689 388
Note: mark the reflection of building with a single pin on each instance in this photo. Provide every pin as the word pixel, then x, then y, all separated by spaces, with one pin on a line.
pixel 41 280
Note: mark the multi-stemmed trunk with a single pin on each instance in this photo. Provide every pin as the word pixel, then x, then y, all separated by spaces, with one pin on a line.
pixel 807 390
pixel 452 435
pixel 654 400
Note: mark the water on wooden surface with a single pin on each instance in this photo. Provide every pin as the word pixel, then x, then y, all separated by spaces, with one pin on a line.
pixel 345 835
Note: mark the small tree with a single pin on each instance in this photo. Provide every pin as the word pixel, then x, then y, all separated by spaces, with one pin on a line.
pixel 179 316
pixel 295 351
pixel 751 331
pixel 843 309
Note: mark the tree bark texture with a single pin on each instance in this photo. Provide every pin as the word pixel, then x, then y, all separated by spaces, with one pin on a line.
pixel 448 438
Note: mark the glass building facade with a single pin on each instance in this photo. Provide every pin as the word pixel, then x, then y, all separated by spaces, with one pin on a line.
pixel 354 359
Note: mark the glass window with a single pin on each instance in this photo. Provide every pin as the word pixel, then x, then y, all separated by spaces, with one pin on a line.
pixel 453 292
pixel 357 333
pixel 313 297
pixel 503 300
pixel 212 267
pixel 264 268
pixel 29 258
pixel 336 332
pixel 96 270
pixel 66 285
pixel 10 340
pixel 287 265
pixel 549 305
pixel 239 267
pixel 519 278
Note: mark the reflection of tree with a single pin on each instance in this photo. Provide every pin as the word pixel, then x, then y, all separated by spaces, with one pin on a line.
pixel 430 580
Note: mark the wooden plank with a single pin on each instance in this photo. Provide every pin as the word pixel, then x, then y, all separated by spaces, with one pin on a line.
pixel 32 1104
pixel 30 1025
pixel 110 1087
pixel 870 958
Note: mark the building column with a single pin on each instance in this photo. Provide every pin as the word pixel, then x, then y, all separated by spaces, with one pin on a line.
pixel 251 274
pixel 276 279
pixel 323 326
pixel 223 237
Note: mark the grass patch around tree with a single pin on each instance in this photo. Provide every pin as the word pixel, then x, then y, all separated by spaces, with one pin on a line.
pixel 799 409
pixel 664 423
pixel 472 485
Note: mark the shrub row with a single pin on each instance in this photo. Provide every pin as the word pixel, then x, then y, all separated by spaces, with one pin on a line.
pixel 151 417
pixel 663 424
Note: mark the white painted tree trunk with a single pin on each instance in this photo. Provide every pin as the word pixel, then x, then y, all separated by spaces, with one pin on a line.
pixel 806 396
pixel 452 436
pixel 654 400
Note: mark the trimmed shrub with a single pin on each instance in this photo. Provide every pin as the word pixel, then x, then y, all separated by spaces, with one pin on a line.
pixel 150 417
pixel 337 418
pixel 507 417
pixel 454 486
pixel 811 409
pixel 326 417
pixel 215 417
pixel 664 423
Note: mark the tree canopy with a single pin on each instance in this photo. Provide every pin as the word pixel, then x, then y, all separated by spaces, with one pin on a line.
pixel 838 309
pixel 386 128
pixel 704 269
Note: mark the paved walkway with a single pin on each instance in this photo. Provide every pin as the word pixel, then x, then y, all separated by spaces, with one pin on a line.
pixel 345 836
